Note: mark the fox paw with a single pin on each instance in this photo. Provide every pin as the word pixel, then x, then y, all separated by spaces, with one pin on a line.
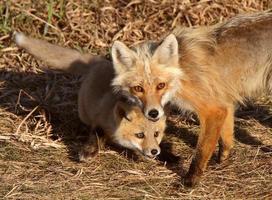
pixel 87 153
pixel 191 180
pixel 224 156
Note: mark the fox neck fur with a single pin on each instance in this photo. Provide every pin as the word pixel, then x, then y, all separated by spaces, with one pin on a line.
pixel 219 63
pixel 207 70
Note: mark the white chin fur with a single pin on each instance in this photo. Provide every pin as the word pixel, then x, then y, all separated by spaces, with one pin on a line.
pixel 19 38
pixel 166 98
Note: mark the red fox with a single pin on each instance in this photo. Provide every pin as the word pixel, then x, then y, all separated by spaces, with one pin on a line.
pixel 206 70
pixel 121 120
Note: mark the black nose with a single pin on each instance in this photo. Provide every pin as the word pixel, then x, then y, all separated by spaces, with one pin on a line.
pixel 154 151
pixel 153 113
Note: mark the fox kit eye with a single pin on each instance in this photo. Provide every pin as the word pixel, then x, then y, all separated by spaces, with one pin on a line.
pixel 139 135
pixel 138 88
pixel 156 134
pixel 160 86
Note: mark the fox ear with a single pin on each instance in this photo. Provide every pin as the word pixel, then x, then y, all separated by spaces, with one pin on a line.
pixel 167 51
pixel 123 58
pixel 121 112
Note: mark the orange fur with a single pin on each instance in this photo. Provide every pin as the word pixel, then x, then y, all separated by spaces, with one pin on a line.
pixel 208 70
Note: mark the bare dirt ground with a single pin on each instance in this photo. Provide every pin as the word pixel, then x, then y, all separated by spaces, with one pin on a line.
pixel 40 130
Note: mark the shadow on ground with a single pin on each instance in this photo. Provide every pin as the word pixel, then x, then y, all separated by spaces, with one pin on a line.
pixel 56 96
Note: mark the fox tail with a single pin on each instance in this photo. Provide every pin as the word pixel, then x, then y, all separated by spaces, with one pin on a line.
pixel 56 57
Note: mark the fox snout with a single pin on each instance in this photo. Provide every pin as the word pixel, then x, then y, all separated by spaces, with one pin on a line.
pixel 152 152
pixel 154 114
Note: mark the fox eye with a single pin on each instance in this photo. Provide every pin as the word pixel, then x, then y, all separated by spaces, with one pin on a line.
pixel 156 134
pixel 139 135
pixel 138 88
pixel 160 86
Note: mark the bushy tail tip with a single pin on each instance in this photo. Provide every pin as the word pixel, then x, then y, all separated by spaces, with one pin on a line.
pixel 18 38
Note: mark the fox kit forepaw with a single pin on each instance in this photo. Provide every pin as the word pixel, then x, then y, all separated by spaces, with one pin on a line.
pixel 87 152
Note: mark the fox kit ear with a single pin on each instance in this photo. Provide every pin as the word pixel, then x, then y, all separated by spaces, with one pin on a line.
pixel 121 112
pixel 167 51
pixel 123 58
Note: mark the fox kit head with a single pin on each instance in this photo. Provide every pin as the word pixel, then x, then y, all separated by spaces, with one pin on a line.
pixel 136 132
pixel 149 72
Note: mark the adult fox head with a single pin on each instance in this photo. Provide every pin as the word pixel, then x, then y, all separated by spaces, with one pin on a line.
pixel 149 72
pixel 136 132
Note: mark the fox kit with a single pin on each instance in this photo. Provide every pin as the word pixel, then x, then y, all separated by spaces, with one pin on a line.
pixel 206 70
pixel 99 107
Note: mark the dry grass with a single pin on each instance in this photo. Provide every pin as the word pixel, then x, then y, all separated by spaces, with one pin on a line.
pixel 39 127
